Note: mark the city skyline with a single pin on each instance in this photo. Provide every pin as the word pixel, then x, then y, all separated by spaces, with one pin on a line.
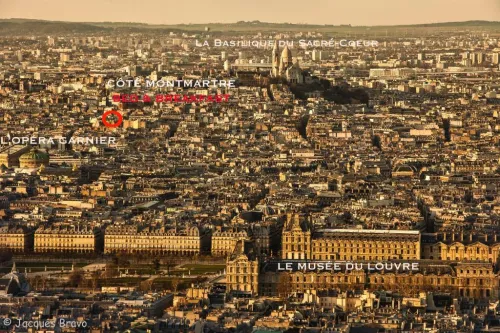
pixel 250 177
pixel 318 12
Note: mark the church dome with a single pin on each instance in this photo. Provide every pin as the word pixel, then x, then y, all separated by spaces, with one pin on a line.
pixel 33 159
pixel 286 54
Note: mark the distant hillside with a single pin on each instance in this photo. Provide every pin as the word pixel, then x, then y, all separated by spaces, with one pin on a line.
pixel 39 27
pixel 464 24
pixel 45 27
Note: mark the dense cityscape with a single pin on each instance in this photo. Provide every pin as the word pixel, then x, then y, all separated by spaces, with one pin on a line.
pixel 290 178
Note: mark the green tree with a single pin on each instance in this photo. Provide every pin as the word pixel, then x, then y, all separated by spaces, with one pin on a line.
pixel 169 265
pixel 156 264
pixel 244 328
pixel 146 285
pixel 121 259
pixel 94 279
pixel 5 255
pixel 175 284
pixel 377 142
pixel 76 278
pixel 111 270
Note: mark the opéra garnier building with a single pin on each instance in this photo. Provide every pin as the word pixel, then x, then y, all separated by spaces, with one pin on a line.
pixel 251 273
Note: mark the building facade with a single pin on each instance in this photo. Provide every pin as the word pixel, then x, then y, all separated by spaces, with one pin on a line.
pixel 131 239
pixel 10 155
pixel 261 237
pixel 224 241
pixel 242 271
pixel 359 244
pixel 67 239
pixel 467 279
pixel 460 247
pixel 296 238
pixel 463 266
pixel 34 159
pixel 284 67
pixel 16 239
pixel 347 244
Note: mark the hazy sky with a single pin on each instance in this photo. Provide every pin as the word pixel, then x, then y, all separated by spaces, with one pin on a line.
pixel 355 12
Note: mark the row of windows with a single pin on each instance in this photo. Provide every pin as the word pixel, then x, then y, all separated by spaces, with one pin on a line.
pixel 166 246
pixel 474 271
pixel 366 245
pixel 295 238
pixel 433 281
pixel 153 242
pixel 225 245
pixel 374 251
pixel 299 249
pixel 240 270
pixel 162 236
pixel 195 251
pixel 296 247
pixel 353 257
pixel 334 279
pixel 241 279
pixel 65 241
pixel 63 246
pixel 462 250
pixel 9 241
pixel 58 236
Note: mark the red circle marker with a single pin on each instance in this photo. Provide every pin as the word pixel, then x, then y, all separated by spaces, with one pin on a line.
pixel 113 112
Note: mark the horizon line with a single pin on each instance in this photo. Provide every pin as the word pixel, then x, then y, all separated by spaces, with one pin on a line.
pixel 250 21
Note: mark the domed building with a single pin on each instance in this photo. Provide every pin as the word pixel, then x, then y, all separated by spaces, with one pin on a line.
pixel 286 60
pixel 33 159
pixel 283 66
